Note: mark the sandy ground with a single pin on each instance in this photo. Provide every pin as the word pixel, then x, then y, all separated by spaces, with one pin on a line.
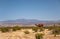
pixel 21 35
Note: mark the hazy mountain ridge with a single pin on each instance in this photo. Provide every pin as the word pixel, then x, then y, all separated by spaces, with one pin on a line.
pixel 26 22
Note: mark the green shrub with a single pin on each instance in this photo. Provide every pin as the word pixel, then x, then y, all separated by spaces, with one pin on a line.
pixel 35 29
pixel 16 28
pixel 39 36
pixel 4 29
pixel 26 32
pixel 41 29
pixel 56 31
pixel 50 28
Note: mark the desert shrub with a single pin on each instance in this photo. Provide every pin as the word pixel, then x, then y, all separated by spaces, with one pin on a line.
pixel 16 28
pixel 56 31
pixel 41 29
pixel 39 36
pixel 26 32
pixel 50 28
pixel 35 29
pixel 4 29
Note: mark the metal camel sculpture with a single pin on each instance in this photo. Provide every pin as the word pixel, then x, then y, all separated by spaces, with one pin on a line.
pixel 39 25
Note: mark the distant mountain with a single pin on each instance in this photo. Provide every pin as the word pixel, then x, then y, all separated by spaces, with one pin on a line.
pixel 25 22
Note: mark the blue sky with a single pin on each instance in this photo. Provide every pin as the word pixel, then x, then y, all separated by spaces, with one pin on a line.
pixel 30 9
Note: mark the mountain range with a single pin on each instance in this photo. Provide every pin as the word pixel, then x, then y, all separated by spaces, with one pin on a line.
pixel 26 22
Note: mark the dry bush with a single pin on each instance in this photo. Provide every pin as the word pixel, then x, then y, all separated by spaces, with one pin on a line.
pixel 26 32
pixel 35 29
pixel 16 28
pixel 4 29
pixel 39 36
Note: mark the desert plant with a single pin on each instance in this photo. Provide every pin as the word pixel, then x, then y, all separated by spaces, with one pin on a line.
pixel 26 32
pixel 50 28
pixel 39 36
pixel 16 28
pixel 56 31
pixel 35 29
pixel 41 29
pixel 4 29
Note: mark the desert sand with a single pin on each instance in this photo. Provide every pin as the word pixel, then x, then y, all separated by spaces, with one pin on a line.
pixel 21 35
